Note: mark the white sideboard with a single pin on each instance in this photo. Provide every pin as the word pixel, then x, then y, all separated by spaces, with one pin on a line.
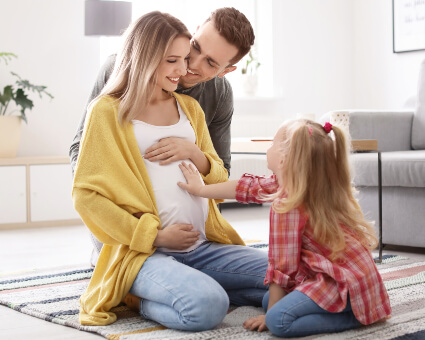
pixel 36 192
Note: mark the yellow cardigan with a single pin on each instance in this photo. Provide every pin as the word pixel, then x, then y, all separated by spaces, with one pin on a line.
pixel 111 183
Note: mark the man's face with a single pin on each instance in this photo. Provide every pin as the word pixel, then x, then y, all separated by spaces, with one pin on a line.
pixel 210 56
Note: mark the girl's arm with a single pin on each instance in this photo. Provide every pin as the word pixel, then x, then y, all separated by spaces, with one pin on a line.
pixel 195 185
pixel 276 293
pixel 259 322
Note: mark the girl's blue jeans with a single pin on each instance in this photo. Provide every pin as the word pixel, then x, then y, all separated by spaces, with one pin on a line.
pixel 296 315
pixel 191 291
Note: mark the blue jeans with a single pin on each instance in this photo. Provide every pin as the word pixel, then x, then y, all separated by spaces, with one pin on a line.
pixel 191 291
pixel 296 315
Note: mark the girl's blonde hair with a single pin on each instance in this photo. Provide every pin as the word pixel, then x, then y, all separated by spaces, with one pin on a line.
pixel 134 76
pixel 316 176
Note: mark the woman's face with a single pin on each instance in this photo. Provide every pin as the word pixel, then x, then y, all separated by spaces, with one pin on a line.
pixel 174 64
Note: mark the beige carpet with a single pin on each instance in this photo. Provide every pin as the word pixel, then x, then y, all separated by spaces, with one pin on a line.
pixel 52 295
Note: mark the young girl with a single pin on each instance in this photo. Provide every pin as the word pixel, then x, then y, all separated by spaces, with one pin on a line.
pixel 321 275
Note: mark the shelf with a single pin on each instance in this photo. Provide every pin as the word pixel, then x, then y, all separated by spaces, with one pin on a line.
pixel 36 192
pixel 35 160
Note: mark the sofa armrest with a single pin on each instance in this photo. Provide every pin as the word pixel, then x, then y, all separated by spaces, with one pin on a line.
pixel 392 129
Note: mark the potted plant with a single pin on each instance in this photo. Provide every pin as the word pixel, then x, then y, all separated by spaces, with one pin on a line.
pixel 14 102
pixel 249 74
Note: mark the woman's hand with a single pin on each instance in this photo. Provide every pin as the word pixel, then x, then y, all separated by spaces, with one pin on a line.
pixel 173 149
pixel 176 236
pixel 170 149
pixel 194 181
pixel 258 322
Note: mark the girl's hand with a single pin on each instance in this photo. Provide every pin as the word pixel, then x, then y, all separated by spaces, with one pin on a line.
pixel 176 236
pixel 258 322
pixel 170 149
pixel 194 181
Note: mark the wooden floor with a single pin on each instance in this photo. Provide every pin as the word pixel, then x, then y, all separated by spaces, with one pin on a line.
pixel 25 249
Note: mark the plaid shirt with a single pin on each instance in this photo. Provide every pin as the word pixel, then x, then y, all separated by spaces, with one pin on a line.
pixel 298 262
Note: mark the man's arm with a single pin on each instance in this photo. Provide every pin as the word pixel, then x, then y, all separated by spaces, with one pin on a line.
pixel 220 126
pixel 101 80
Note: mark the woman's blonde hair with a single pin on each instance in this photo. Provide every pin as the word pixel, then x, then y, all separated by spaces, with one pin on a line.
pixel 316 176
pixel 134 76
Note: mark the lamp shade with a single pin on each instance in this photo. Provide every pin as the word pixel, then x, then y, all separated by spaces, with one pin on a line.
pixel 106 17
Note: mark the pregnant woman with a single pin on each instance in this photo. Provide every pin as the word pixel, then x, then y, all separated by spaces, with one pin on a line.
pixel 173 251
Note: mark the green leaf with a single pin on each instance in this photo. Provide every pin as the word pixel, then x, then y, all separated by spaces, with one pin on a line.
pixel 7 95
pixel 25 84
pixel 7 56
pixel 24 117
pixel 21 99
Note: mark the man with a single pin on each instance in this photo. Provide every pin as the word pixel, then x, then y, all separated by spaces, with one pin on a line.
pixel 219 43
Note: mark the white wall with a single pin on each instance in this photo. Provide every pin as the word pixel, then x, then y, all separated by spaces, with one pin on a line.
pixel 48 37
pixel 382 79
pixel 316 54
pixel 313 62
pixel 329 54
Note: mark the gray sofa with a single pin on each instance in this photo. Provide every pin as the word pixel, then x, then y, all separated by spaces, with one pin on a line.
pixel 401 140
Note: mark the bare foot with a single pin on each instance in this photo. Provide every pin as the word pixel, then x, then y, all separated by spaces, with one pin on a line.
pixel 132 302
pixel 385 319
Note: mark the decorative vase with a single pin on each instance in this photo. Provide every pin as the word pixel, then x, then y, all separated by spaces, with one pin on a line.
pixel 10 134
pixel 250 84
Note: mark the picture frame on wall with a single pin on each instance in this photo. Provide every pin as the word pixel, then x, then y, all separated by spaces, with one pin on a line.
pixel 408 25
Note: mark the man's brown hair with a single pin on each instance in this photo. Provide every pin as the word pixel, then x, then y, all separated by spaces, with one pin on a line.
pixel 235 28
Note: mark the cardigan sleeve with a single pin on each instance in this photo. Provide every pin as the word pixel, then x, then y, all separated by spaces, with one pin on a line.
pixel 113 225
pixel 102 78
pixel 218 172
pixel 109 184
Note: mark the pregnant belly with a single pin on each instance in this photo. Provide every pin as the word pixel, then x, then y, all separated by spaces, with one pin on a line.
pixel 174 204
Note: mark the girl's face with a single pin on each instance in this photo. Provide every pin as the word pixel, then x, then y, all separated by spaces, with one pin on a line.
pixel 174 64
pixel 274 154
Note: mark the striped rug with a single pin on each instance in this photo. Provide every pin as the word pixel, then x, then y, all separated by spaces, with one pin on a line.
pixel 53 294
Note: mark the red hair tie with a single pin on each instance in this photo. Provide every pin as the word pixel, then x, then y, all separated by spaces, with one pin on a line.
pixel 327 127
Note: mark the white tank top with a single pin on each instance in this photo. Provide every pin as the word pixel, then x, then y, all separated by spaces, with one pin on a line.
pixel 174 204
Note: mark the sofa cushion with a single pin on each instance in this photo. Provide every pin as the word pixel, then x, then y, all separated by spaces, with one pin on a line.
pixel 418 126
pixel 392 129
pixel 399 168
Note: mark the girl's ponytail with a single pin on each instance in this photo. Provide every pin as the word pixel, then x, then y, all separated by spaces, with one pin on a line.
pixel 354 218
pixel 341 157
